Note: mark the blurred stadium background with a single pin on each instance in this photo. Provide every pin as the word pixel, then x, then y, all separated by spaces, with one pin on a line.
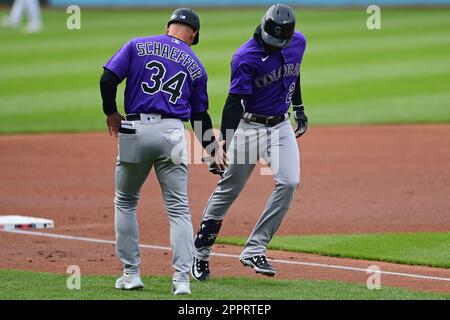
pixel 351 75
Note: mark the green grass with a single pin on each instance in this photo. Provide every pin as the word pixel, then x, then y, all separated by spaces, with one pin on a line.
pixel 31 285
pixel 400 74
pixel 428 249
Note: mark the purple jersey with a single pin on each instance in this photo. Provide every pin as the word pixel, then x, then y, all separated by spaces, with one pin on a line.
pixel 163 76
pixel 268 78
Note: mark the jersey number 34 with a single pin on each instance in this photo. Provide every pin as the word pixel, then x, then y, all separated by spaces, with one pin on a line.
pixel 170 86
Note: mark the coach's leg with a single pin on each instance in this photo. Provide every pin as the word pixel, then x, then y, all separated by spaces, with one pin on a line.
pixel 284 159
pixel 133 166
pixel 174 183
pixel 129 180
pixel 172 171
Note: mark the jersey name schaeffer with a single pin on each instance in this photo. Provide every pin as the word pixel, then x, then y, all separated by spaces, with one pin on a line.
pixel 163 50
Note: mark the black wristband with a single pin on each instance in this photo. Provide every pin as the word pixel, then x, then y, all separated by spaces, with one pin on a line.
pixel 299 108
pixel 210 145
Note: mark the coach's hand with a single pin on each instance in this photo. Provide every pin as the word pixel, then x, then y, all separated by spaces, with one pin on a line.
pixel 301 121
pixel 221 157
pixel 114 121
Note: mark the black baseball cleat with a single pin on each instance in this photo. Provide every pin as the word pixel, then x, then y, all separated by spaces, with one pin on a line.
pixel 200 270
pixel 260 265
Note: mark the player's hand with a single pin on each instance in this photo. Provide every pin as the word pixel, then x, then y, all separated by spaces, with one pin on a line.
pixel 219 162
pixel 301 121
pixel 114 121
pixel 214 169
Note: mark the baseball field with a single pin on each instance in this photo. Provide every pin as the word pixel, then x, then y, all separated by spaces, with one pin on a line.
pixel 375 161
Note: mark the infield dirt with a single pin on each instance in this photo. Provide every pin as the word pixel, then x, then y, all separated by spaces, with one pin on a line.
pixel 354 180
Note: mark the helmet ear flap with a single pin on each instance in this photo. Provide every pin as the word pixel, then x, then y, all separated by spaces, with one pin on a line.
pixel 196 38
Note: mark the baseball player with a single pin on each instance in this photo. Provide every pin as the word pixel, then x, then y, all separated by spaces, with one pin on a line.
pixel 166 85
pixel 18 9
pixel 265 81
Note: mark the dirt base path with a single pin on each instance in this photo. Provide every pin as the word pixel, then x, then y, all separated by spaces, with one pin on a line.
pixel 37 252
pixel 354 180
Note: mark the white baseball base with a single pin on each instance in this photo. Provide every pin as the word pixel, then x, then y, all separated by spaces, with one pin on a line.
pixel 24 222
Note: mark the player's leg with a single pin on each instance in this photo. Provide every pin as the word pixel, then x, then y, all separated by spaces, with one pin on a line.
pixel 172 172
pixel 132 168
pixel 228 188
pixel 244 152
pixel 284 159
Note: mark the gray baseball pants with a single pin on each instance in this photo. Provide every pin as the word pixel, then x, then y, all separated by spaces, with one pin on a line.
pixel 158 143
pixel 278 147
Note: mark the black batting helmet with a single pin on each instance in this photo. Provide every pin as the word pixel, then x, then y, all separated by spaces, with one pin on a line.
pixel 188 17
pixel 278 25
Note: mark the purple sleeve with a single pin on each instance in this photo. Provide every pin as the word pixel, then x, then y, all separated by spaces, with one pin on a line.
pixel 120 62
pixel 199 96
pixel 241 76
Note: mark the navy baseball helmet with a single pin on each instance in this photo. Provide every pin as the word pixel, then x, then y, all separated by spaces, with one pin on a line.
pixel 278 25
pixel 188 17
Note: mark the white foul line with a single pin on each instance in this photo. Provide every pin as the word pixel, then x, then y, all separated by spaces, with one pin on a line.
pixel 226 255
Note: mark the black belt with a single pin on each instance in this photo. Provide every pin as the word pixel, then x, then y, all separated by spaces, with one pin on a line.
pixel 270 121
pixel 137 117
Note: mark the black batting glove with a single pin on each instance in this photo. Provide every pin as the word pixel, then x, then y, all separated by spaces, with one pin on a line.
pixel 301 121
pixel 218 161
pixel 214 169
